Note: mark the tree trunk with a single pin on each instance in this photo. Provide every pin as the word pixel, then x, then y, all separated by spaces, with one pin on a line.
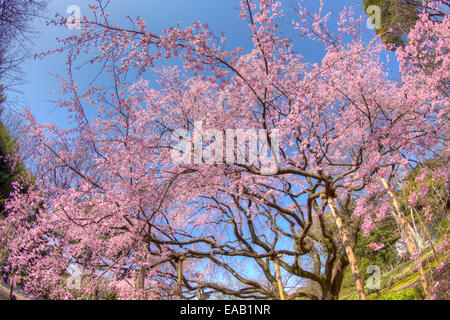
pixel 348 250
pixel 336 283
pixel 279 281
pixel 415 232
pixel 179 278
pixel 427 234
pixel 140 281
pixel 11 291
pixel 405 230
pixel 327 290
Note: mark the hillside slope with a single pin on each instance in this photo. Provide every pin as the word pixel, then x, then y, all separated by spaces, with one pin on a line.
pixel 404 284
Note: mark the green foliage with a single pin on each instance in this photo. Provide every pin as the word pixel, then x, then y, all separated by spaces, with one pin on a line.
pixel 397 18
pixel 409 294
pixel 385 232
pixel 394 271
pixel 8 173
pixel 435 203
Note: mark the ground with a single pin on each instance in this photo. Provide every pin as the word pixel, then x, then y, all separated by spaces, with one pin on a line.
pixel 403 289
pixel 403 283
pixel 4 292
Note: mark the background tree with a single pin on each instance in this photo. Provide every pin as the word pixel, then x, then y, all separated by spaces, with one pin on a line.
pixel 11 169
pixel 112 199
pixel 398 17
pixel 424 197
pixel 16 34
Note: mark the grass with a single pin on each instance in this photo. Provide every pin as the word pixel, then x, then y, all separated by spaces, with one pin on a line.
pixel 392 281
pixel 409 294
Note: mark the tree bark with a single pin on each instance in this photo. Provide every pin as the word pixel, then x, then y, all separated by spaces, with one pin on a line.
pixel 11 291
pixel 348 250
pixel 140 281
pixel 427 234
pixel 179 278
pixel 405 229
pixel 280 283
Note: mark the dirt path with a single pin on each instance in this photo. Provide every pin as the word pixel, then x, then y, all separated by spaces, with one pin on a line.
pixel 4 293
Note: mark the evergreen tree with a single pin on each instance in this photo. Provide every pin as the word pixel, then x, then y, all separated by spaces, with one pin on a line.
pixel 11 169
pixel 399 16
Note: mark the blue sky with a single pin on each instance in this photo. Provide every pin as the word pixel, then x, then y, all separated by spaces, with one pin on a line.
pixel 221 15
